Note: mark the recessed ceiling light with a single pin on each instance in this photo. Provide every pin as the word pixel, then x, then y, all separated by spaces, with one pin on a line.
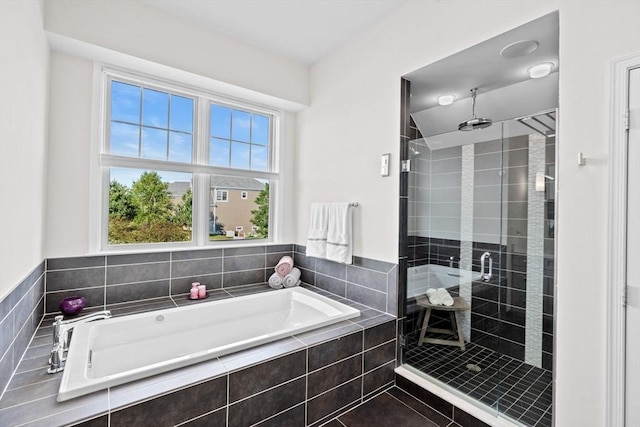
pixel 540 70
pixel 445 99
pixel 520 48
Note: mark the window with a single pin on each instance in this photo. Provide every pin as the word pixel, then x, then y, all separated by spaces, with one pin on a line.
pixel 167 149
pixel 222 195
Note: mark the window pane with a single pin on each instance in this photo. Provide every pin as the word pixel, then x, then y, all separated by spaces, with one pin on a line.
pixel 181 114
pixel 260 130
pixel 241 126
pixel 220 121
pixel 219 152
pixel 154 144
pixel 155 108
pixel 239 217
pixel 124 139
pixel 240 155
pixel 149 206
pixel 180 147
pixel 125 102
pixel 259 158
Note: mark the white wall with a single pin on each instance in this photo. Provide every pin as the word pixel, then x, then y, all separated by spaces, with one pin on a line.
pixel 160 45
pixel 136 29
pixel 24 59
pixel 70 139
pixel 354 117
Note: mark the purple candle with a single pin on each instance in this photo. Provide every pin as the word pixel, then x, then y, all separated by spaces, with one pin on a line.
pixel 72 305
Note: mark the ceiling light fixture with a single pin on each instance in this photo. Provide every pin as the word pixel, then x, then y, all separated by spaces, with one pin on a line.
pixel 519 48
pixel 445 99
pixel 540 70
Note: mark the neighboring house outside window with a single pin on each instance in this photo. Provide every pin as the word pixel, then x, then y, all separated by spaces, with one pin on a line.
pixel 236 211
pixel 158 162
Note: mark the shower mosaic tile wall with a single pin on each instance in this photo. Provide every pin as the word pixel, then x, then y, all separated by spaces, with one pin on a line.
pixel 502 206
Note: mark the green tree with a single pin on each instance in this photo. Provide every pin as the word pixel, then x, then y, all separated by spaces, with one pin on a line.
pixel 151 198
pixel 261 215
pixel 120 202
pixel 184 211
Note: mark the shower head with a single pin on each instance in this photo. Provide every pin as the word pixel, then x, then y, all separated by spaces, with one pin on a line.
pixel 475 122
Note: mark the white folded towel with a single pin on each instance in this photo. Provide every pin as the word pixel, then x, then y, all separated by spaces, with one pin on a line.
pixel 339 239
pixel 434 296
pixel 292 279
pixel 275 281
pixel 445 297
pixel 439 296
pixel 317 234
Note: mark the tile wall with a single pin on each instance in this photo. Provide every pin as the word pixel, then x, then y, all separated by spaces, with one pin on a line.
pixel 114 279
pixel 20 314
pixel 499 177
pixel 369 282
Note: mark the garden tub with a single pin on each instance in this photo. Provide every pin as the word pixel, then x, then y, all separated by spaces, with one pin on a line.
pixel 115 351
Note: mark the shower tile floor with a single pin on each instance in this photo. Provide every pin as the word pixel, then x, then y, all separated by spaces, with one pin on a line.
pixel 525 391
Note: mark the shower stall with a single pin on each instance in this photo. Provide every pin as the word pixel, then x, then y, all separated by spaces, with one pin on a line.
pixel 477 213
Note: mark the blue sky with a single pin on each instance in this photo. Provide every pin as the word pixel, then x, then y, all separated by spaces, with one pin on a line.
pixel 155 125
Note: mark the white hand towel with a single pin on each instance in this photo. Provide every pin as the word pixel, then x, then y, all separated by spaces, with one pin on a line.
pixel 434 297
pixel 445 297
pixel 292 279
pixel 275 281
pixel 317 234
pixel 339 239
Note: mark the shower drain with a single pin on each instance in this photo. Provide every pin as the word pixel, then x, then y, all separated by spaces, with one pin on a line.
pixel 473 367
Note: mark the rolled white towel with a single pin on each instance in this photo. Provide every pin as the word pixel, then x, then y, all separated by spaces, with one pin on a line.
pixel 275 281
pixel 292 279
pixel 434 297
pixel 445 297
pixel 284 266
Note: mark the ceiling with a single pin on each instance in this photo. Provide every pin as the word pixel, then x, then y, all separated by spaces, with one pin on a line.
pixel 302 30
pixel 483 67
pixel 505 90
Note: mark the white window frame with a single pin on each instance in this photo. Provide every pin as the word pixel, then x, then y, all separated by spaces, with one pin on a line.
pixel 199 168
pixel 244 195
pixel 224 199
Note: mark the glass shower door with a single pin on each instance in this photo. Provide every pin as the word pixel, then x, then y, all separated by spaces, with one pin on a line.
pixel 480 227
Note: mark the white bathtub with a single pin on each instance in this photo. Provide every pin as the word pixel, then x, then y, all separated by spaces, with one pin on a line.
pixel 109 352
pixel 427 276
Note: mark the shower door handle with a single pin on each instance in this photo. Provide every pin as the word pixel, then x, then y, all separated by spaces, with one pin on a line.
pixel 485 275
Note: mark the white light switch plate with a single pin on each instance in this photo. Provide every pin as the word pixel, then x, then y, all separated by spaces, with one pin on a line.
pixel 384 164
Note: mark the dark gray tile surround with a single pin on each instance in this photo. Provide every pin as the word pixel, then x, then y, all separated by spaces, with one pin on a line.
pixel 20 314
pixel 305 379
pixel 131 283
pixel 114 279
pixel 370 282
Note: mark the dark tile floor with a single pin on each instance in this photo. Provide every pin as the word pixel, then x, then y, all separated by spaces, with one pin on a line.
pixel 521 391
pixel 394 408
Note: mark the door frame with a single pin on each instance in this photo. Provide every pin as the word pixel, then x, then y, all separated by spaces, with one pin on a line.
pixel 616 325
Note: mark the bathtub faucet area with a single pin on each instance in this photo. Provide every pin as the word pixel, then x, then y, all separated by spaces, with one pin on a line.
pixel 62 337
